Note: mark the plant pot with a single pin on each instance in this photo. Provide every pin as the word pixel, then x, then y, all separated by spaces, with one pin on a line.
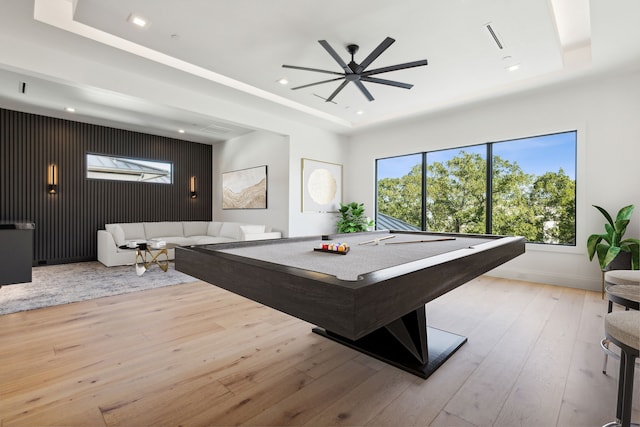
pixel 621 262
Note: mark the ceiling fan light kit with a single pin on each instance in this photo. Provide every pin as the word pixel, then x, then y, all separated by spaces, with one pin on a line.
pixel 357 73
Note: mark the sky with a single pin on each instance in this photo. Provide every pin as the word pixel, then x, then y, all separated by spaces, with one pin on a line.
pixel 535 155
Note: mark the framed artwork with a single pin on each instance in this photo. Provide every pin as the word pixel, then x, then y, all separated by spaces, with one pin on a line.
pixel 321 186
pixel 245 189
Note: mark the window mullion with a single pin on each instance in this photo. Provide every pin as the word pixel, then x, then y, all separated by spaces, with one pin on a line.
pixel 489 192
pixel 424 191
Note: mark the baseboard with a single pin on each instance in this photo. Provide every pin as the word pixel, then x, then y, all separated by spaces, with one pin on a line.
pixel 572 281
pixel 41 262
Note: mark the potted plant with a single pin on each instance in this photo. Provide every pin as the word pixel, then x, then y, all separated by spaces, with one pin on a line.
pixel 610 244
pixel 352 218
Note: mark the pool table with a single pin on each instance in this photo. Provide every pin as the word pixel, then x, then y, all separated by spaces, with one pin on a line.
pixel 371 298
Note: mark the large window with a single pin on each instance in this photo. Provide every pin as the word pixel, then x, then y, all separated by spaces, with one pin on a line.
pixel 522 187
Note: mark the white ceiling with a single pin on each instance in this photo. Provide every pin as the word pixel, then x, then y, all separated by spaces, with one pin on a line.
pixel 241 45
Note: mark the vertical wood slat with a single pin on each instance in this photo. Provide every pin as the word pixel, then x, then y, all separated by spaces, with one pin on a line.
pixel 67 223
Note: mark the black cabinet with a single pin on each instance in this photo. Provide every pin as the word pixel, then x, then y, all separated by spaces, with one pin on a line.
pixel 16 252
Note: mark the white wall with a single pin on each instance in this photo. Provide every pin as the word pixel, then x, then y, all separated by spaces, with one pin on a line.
pixel 319 145
pixel 283 156
pixel 255 149
pixel 606 113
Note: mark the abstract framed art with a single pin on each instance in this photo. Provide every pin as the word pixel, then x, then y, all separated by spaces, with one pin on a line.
pixel 245 188
pixel 321 186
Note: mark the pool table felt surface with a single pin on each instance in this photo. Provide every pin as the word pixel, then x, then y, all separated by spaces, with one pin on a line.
pixel 361 258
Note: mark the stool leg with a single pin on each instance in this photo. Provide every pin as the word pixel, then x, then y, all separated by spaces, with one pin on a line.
pixel 627 388
pixel 605 356
pixel 605 342
pixel 621 372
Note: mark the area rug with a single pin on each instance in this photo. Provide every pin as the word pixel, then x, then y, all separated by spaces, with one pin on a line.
pixel 66 283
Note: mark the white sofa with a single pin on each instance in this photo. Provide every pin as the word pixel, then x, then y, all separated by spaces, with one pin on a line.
pixel 180 233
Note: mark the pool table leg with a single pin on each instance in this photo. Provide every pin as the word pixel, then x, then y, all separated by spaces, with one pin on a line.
pixel 407 343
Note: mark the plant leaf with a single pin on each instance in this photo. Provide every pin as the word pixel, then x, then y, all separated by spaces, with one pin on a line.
pixel 605 213
pixel 621 225
pixel 592 242
pixel 633 246
pixel 606 254
pixel 630 242
pixel 625 213
pixel 610 237
pixel 635 257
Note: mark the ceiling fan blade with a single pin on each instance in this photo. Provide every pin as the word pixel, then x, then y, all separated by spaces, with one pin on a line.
pixel 335 92
pixel 386 82
pixel 312 69
pixel 373 55
pixel 325 99
pixel 317 83
pixel 396 67
pixel 335 56
pixel 363 90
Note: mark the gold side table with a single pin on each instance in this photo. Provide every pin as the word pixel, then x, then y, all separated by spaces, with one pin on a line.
pixel 146 256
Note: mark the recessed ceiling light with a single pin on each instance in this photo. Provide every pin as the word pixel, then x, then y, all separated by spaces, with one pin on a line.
pixel 513 67
pixel 70 109
pixel 138 20
pixel 359 112
pixel 283 81
pixel 180 130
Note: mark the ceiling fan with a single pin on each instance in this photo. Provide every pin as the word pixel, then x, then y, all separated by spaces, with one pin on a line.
pixel 357 73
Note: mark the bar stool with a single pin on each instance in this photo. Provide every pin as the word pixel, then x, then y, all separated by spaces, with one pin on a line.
pixel 622 287
pixel 623 329
pixel 629 294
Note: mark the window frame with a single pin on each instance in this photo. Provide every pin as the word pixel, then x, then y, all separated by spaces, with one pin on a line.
pixel 138 160
pixel 579 161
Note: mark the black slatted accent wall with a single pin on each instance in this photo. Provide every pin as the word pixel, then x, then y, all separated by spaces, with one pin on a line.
pixel 67 222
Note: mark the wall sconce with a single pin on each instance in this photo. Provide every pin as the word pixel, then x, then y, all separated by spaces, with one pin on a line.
pixel 52 179
pixel 192 188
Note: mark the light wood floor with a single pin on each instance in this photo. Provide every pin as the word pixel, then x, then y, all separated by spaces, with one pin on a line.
pixel 195 355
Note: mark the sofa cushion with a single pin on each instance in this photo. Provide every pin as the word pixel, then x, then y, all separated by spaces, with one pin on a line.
pixel 195 228
pixel 176 240
pixel 214 228
pixel 156 230
pixel 117 232
pixel 208 240
pixel 230 229
pixel 250 229
pixel 132 231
